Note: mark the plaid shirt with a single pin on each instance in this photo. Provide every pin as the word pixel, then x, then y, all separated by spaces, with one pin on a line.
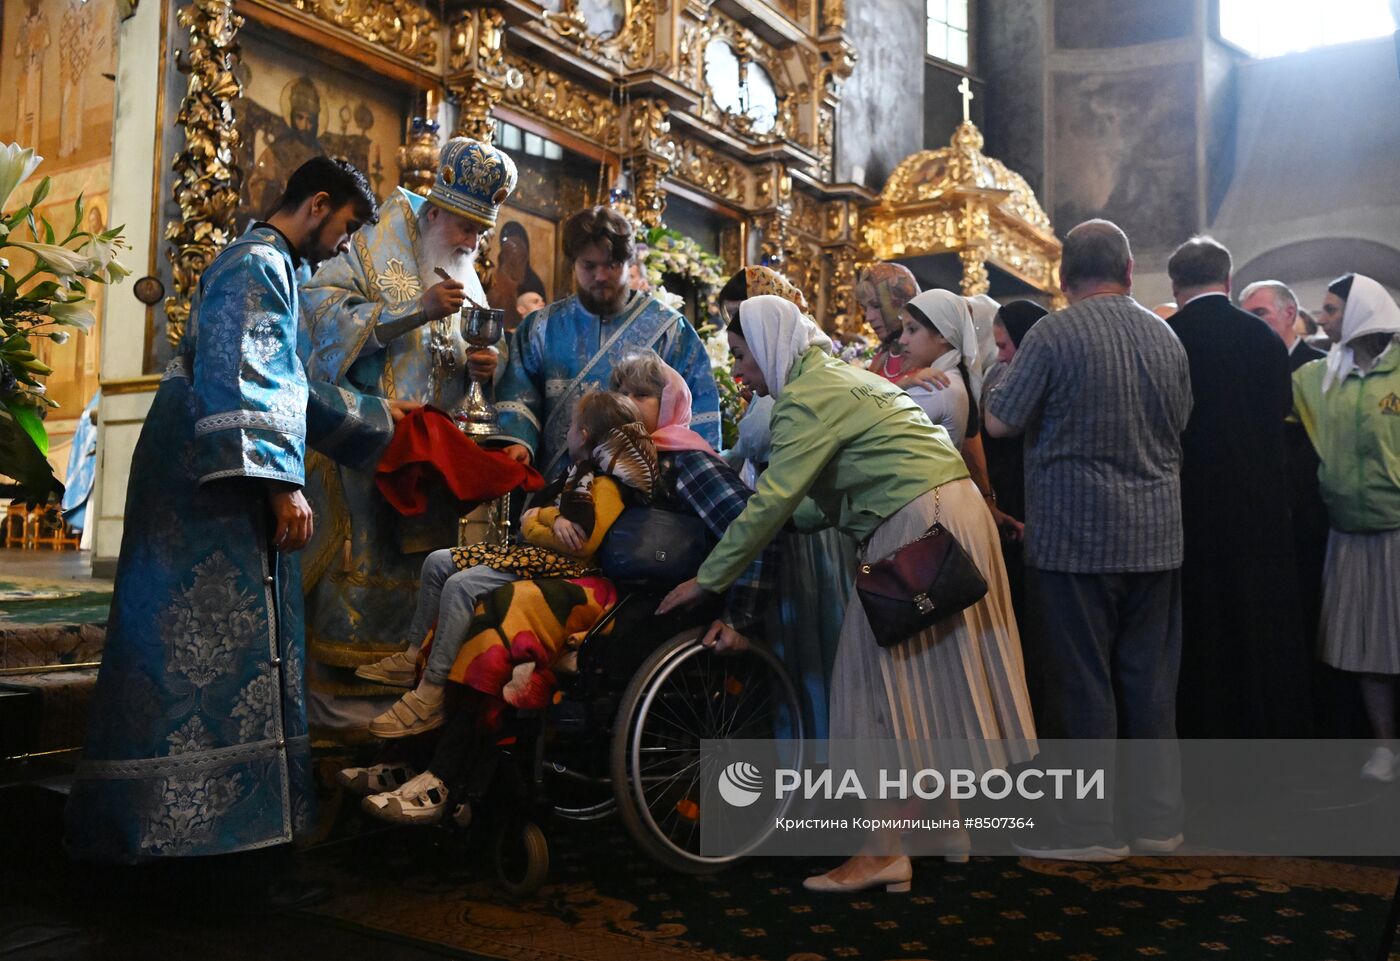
pixel 712 489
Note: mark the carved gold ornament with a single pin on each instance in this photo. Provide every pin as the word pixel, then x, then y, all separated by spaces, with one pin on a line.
pixel 959 200
pixel 403 26
pixel 208 181
pixel 633 47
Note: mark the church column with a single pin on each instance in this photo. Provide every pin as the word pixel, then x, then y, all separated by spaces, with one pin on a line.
pixel 652 152
pixel 478 75
pixel 137 170
pixel 774 220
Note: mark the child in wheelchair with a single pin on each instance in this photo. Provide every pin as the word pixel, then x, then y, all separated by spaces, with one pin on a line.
pixel 521 629
pixel 614 462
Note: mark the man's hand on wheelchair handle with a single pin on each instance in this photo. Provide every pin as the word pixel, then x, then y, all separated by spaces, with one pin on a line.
pixel 724 639
pixel 684 595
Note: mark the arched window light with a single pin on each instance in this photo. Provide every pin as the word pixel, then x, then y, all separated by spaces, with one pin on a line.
pixel 1271 28
pixel 745 89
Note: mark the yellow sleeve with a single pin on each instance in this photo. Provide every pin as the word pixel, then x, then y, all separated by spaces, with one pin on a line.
pixel 539 530
pixel 607 506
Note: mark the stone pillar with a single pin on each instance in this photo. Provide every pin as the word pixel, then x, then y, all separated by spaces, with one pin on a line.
pixel 136 180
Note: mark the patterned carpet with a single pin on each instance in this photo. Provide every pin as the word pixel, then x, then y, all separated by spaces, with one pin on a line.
pixel 604 902
pixel 31 601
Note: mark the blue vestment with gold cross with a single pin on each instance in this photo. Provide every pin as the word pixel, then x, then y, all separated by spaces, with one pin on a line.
pixel 360 572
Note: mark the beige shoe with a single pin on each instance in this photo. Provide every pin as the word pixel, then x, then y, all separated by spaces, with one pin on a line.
pixel 410 715
pixel 895 877
pixel 396 670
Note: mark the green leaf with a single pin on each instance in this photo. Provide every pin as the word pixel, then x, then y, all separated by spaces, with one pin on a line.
pixel 44 291
pixel 22 459
pixel 29 421
pixel 40 192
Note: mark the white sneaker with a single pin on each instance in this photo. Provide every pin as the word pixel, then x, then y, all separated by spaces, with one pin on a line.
pixel 375 779
pixel 1094 852
pixel 1380 766
pixel 1157 845
pixel 396 670
pixel 420 801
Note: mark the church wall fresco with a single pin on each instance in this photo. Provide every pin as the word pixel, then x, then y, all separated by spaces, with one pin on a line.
pixel 53 55
pixel 1124 148
pixel 880 118
pixel 1099 24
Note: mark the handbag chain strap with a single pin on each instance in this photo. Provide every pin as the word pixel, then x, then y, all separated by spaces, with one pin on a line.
pixel 932 529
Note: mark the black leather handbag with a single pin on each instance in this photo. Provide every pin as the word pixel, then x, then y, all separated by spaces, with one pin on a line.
pixel 929 579
pixel 656 547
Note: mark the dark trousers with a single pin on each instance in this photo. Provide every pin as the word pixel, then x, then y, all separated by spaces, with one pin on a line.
pixel 1103 660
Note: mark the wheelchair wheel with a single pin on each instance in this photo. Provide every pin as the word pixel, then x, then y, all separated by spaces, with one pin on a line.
pixel 522 858
pixel 682 694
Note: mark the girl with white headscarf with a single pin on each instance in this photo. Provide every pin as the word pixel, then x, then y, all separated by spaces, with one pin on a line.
pixel 938 334
pixel 852 451
pixel 1349 402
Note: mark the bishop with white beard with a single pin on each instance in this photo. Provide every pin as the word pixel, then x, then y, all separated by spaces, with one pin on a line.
pixel 382 319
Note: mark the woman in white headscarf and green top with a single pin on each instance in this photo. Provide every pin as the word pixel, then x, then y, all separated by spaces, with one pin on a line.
pixel 852 451
pixel 1349 403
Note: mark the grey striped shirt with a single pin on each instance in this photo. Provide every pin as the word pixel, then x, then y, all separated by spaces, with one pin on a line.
pixel 1103 391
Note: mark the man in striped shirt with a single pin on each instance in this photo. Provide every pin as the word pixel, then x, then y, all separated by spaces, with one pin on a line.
pixel 1102 391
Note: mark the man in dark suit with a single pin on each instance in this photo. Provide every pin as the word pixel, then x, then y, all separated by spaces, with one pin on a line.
pixel 1244 659
pixel 1336 701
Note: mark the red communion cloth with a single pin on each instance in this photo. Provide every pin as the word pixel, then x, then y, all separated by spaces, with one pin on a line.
pixel 428 450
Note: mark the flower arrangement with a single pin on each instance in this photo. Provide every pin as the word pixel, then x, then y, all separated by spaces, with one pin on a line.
pixel 669 252
pixel 857 351
pixel 48 297
pixel 663 253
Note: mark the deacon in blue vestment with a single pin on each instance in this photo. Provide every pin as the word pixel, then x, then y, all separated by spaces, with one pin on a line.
pixel 383 318
pixel 197 741
pixel 561 352
pixel 82 466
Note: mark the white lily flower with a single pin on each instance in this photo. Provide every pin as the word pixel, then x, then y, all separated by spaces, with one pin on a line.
pixel 16 164
pixel 60 260
pixel 76 313
pixel 116 270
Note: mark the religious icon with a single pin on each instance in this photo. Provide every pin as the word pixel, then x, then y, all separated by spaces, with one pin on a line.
pixel 524 255
pixel 291 111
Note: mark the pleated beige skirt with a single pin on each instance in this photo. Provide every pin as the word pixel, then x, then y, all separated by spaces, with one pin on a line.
pixel 962 680
pixel 1361 602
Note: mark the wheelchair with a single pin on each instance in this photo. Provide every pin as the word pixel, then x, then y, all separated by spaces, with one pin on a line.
pixel 623 738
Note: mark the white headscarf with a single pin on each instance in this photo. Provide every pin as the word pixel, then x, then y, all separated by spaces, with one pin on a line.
pixel 984 317
pixel 1369 310
pixel 778 334
pixel 949 315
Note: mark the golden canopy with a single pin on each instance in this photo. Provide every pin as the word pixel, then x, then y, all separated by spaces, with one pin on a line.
pixel 959 200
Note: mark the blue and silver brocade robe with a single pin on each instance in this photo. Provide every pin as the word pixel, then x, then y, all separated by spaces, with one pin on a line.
pixel 562 351
pixel 197 741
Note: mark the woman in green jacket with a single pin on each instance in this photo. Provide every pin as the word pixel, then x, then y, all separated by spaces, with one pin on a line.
pixel 1349 402
pixel 852 451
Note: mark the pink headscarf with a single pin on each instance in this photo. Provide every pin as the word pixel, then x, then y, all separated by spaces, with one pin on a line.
pixel 673 422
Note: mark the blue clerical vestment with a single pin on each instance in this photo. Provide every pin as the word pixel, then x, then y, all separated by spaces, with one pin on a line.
pixel 562 351
pixel 197 740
